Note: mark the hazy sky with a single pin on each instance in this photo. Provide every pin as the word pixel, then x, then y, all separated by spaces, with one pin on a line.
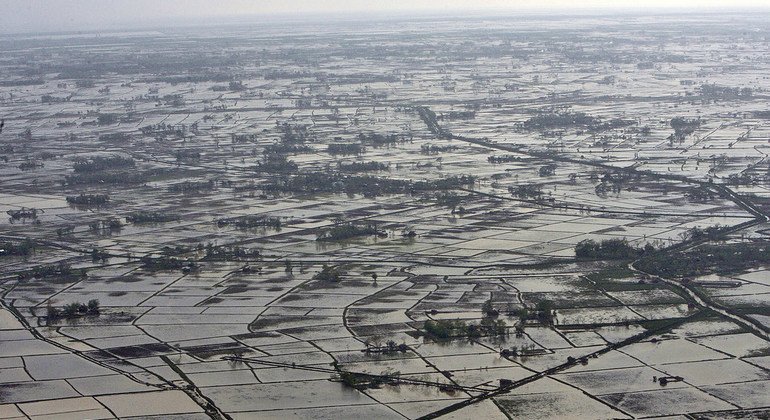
pixel 69 15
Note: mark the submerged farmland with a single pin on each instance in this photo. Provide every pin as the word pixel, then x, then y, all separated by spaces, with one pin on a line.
pixel 506 217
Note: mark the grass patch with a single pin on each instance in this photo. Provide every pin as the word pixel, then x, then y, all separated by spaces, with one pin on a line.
pixel 608 280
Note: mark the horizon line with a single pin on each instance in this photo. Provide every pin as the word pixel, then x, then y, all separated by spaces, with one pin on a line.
pixel 181 21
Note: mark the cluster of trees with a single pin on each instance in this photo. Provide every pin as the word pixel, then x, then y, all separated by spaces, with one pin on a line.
pixel 609 249
pixel 30 164
pixel 347 231
pixel 276 74
pixel 370 186
pixel 74 310
pixel 21 249
pixel 684 127
pixel 328 274
pixel 251 221
pixel 98 255
pixel 187 155
pixel 529 191
pixel 503 159
pixel 612 124
pixel 743 178
pixel 276 164
pixel 65 231
pixel 192 187
pixel 547 170
pixel 724 92
pixel 433 149
pixel 53 270
pixel 23 213
pixel 82 83
pixel 543 313
pixel 645 65
pixel 180 249
pixel 107 119
pixel 554 120
pixel 612 182
pixel 707 259
pixel 452 201
pixel 143 216
pixel 163 129
pixel 88 199
pixel 457 115
pixel 242 138
pixel 293 133
pixel 445 329
pixel 113 138
pixel 699 194
pixel 602 189
pixel 236 85
pixel 282 148
pixel 377 140
pixel 114 177
pixel 229 253
pixel 167 263
pixel 559 120
pixel 364 380
pixel 390 347
pixel 515 351
pixel 345 149
pixel 101 163
pixel 355 167
pixel 449 183
pixel 696 233
pixel 489 324
pixel 22 82
pixel 109 224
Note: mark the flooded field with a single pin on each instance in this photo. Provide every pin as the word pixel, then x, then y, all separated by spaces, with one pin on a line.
pixel 538 217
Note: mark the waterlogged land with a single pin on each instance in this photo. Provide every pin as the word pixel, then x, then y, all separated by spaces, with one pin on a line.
pixel 498 218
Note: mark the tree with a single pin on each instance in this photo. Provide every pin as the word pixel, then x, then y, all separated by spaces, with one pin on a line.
pixel 547 170
pixel 545 310
pixel 93 306
pixel 488 308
